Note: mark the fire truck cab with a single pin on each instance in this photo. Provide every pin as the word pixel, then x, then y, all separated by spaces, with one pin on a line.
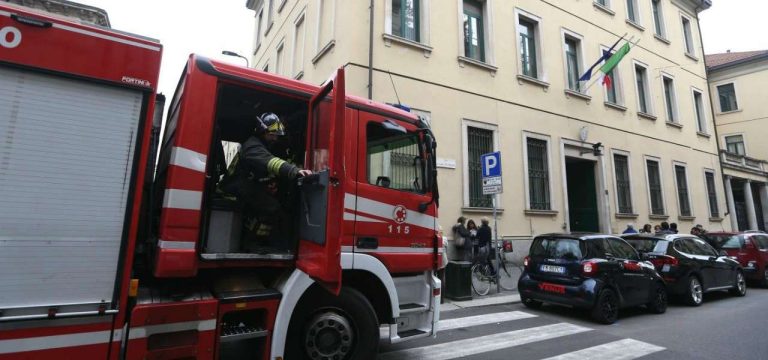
pixel 108 254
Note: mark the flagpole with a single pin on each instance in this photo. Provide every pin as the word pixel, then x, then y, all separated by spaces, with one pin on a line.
pixel 593 82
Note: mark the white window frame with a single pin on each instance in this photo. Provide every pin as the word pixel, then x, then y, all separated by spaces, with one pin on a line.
pixel 638 15
pixel 700 128
pixel 616 180
pixel 548 139
pixel 322 48
pixel 297 69
pixel 686 40
pixel 424 11
pixel 259 25
pixel 565 34
pixel 270 6
pixel 662 25
pixel 743 141
pixel 542 73
pixel 466 123
pixel 281 5
pixel 606 6
pixel 706 190
pixel 487 32
pixel 647 82
pixel 646 158
pixel 674 105
pixel 735 93
pixel 616 82
pixel 280 57
pixel 677 188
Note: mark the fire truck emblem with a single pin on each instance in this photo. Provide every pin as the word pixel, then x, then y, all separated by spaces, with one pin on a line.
pixel 400 214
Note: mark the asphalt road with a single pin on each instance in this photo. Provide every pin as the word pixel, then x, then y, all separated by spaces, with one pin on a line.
pixel 724 327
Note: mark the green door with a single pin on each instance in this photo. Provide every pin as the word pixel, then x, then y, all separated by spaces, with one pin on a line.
pixel 582 196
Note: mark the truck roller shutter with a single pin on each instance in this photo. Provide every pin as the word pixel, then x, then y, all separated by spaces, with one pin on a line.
pixel 66 165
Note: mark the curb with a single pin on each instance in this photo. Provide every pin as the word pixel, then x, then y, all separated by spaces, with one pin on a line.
pixel 495 300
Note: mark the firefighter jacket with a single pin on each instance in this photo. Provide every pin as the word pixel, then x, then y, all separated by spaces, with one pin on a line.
pixel 259 161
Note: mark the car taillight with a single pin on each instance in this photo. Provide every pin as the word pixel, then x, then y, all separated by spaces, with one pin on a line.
pixel 526 261
pixel 664 260
pixel 589 268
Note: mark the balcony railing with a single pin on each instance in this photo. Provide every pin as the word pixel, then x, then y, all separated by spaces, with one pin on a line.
pixel 742 161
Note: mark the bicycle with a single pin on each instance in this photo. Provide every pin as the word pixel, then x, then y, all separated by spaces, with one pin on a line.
pixel 484 272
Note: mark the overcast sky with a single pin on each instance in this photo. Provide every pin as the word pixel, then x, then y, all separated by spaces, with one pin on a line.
pixel 209 26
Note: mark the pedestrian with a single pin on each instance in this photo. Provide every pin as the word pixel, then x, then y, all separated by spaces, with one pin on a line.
pixel 472 228
pixel 630 229
pixel 656 228
pixel 461 238
pixel 702 231
pixel 695 231
pixel 673 227
pixel 484 238
pixel 646 229
pixel 665 228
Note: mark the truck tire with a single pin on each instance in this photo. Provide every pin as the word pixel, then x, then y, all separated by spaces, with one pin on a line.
pixel 325 326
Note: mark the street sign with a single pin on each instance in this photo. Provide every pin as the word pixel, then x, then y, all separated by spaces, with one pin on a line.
pixel 491 168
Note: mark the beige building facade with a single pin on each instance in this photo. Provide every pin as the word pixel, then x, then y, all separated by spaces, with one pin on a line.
pixel 737 83
pixel 497 75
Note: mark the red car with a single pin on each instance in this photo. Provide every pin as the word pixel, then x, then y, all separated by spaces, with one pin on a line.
pixel 750 249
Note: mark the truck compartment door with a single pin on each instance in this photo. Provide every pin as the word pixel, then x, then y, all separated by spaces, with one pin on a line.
pixel 322 195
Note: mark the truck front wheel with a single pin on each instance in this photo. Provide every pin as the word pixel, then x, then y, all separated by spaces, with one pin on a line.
pixel 325 326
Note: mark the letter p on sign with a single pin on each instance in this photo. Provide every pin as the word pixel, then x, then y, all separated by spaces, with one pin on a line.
pixel 491 164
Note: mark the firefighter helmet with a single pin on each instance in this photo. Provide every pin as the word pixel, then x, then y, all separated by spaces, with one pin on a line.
pixel 269 123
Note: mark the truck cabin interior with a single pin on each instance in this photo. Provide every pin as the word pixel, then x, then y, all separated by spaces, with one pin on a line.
pixel 249 215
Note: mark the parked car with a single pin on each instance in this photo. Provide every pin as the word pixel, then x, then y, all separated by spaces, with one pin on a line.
pixel 601 273
pixel 689 265
pixel 750 249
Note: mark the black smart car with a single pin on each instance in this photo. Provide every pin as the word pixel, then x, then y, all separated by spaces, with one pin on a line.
pixel 689 265
pixel 601 273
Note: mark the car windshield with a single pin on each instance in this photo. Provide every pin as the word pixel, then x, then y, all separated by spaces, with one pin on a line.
pixel 724 241
pixel 643 245
pixel 557 248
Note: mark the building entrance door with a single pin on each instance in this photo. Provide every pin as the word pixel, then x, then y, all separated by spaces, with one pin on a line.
pixel 582 195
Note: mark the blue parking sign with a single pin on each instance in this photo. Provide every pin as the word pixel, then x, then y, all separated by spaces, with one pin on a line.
pixel 491 164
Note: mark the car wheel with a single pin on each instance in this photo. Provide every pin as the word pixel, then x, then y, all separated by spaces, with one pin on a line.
pixel 658 304
pixel 606 310
pixel 694 294
pixel 530 303
pixel 740 287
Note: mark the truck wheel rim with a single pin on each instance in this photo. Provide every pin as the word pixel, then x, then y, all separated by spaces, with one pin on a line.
pixel 696 293
pixel 329 336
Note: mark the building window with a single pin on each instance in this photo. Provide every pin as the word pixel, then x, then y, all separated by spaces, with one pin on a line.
pixel 479 142
pixel 298 46
pixel 643 95
pixel 528 30
pixel 259 21
pixel 325 24
pixel 613 93
pixel 538 174
pixel 632 11
pixel 670 98
pixel 727 95
pixel 734 144
pixel 658 18
pixel 714 211
pixel 623 183
pixel 683 199
pixel 698 104
pixel 688 36
pixel 603 3
pixel 474 38
pixel 654 187
pixel 270 14
pixel 405 19
pixel 572 47
pixel 266 68
pixel 279 58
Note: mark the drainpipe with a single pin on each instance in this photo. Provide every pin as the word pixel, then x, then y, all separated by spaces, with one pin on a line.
pixel 370 55
pixel 711 105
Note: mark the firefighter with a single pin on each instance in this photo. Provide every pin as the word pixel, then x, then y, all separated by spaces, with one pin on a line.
pixel 255 172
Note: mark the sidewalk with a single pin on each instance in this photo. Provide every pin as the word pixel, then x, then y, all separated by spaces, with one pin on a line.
pixel 505 297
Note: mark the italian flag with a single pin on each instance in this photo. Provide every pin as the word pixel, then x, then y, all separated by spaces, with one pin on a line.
pixel 612 62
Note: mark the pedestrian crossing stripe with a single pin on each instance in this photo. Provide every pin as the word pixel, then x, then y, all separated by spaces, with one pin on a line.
pixel 485 319
pixel 625 349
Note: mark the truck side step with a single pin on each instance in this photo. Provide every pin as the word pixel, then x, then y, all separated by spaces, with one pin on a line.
pixel 411 333
pixel 412 308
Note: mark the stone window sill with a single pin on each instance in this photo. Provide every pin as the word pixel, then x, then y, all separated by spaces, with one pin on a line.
pixel 730 112
pixel 686 218
pixel 480 210
pixel 532 80
pixel 541 212
pixel 463 60
pixel 604 9
pixel 626 216
pixel 692 57
pixel 703 134
pixel 658 217
pixel 256 49
pixel 715 219
pixel 636 25
pixel 662 39
pixel 389 39
pixel 327 48
pixel 615 106
pixel 674 124
pixel 576 94
pixel 299 75
pixel 281 6
pixel 646 115
pixel 269 27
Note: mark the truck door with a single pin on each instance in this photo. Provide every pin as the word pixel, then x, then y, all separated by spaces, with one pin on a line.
pixel 391 186
pixel 322 194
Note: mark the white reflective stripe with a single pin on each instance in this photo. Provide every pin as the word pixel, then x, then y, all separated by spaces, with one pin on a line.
pixel 54 341
pixel 106 37
pixel 396 249
pixel 347 248
pixel 625 349
pixel 349 201
pixel 189 159
pixel 178 245
pixel 144 331
pixel 182 199
pixel 384 210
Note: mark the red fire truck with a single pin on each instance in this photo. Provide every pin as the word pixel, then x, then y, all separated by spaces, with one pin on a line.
pixel 106 253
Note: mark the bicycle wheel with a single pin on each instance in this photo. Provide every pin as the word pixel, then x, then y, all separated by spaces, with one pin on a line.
pixel 481 284
pixel 509 274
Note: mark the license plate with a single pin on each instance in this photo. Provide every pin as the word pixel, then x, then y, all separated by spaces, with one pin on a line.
pixel 553 269
pixel 665 268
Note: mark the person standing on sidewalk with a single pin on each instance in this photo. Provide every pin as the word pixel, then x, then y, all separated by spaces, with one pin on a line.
pixel 461 239
pixel 484 238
